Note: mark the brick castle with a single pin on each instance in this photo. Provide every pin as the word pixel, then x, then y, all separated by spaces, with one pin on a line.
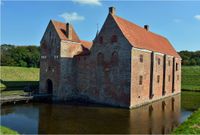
pixel 126 65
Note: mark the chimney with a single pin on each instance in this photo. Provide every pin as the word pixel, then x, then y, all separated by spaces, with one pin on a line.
pixel 146 27
pixel 69 31
pixel 112 10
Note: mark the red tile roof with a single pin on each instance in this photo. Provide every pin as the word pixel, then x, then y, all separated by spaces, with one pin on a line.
pixel 61 30
pixel 143 39
pixel 86 44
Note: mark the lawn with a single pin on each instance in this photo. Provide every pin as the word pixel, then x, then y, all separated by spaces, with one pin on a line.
pixel 15 79
pixel 190 100
pixel 18 77
pixel 191 125
pixel 7 131
pixel 191 78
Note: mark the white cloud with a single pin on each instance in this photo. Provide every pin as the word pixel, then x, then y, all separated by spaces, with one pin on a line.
pixel 177 20
pixel 69 17
pixel 88 2
pixel 197 17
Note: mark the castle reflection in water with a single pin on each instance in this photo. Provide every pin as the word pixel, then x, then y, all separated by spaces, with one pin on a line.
pixel 158 117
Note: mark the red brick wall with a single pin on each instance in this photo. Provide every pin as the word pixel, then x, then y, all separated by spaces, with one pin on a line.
pixel 140 93
pixel 106 79
pixel 177 76
pixel 49 61
pixel 158 71
pixel 168 75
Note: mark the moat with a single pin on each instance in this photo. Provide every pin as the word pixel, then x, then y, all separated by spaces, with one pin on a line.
pixel 43 118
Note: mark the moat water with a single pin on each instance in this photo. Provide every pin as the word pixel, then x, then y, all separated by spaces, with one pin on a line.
pixel 43 118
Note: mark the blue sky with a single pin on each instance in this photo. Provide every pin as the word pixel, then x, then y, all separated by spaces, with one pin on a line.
pixel 24 22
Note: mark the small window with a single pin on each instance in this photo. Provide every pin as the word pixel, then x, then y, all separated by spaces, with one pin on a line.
pixel 177 77
pixel 158 79
pixel 169 78
pixel 49 68
pixel 101 40
pixel 114 39
pixel 176 66
pixel 141 58
pixel 100 58
pixel 158 61
pixel 50 34
pixel 140 80
pixel 169 63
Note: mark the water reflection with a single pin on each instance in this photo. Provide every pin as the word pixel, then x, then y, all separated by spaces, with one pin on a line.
pixel 158 117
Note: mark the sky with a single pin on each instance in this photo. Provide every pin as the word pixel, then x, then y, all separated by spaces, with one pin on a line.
pixel 24 22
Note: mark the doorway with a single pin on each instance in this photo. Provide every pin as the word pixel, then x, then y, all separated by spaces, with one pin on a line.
pixel 49 86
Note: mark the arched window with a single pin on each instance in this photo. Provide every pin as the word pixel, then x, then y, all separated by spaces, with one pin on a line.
pixel 101 40
pixel 100 58
pixel 113 39
pixel 114 58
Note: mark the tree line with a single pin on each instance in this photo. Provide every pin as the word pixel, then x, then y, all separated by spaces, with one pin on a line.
pixel 23 56
pixel 29 56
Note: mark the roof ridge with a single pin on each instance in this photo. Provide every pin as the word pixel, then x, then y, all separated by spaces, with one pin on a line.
pixel 139 26
pixel 85 40
pixel 56 21
pixel 61 28
pixel 138 37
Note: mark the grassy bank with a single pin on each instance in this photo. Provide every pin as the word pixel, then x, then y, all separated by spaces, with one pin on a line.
pixel 6 131
pixel 191 78
pixel 191 125
pixel 190 100
pixel 15 79
pixel 18 77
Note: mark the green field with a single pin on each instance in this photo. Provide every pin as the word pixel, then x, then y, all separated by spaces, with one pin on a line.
pixel 18 77
pixel 15 79
pixel 7 131
pixel 190 78
pixel 190 100
pixel 191 125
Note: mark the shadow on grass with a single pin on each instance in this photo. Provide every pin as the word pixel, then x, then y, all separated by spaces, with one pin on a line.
pixel 19 85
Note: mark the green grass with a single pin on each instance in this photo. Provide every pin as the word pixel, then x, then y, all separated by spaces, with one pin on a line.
pixel 191 78
pixel 190 100
pixel 6 131
pixel 191 125
pixel 12 92
pixel 12 77
pixel 15 79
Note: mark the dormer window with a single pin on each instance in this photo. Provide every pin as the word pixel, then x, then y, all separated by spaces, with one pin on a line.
pixel 101 40
pixel 113 39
